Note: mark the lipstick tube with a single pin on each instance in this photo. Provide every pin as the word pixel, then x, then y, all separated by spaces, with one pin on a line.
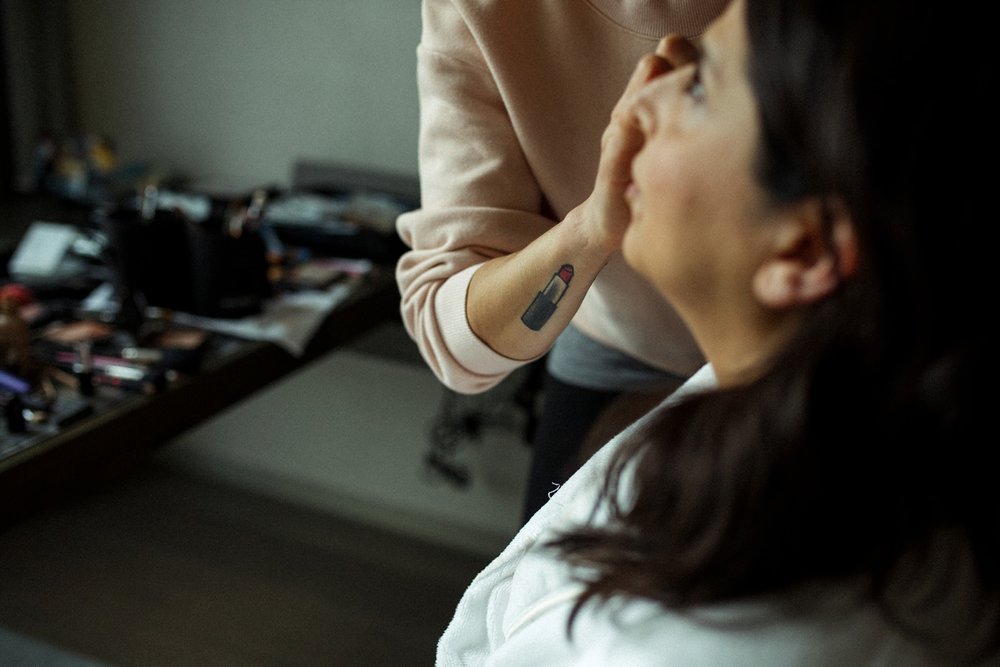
pixel 541 309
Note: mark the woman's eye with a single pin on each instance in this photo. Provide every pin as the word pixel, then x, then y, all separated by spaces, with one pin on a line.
pixel 694 88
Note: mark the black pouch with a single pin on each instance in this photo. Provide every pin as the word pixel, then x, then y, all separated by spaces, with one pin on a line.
pixel 149 256
pixel 229 274
pixel 174 263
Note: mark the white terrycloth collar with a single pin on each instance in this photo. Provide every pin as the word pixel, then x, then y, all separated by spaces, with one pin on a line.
pixel 493 606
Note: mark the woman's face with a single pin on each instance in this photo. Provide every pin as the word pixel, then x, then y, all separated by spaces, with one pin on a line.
pixel 695 204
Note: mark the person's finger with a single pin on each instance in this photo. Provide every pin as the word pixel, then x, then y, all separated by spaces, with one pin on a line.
pixel 676 50
pixel 621 140
pixel 648 68
pixel 662 47
pixel 671 52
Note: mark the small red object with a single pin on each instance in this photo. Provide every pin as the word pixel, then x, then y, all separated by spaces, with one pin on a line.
pixel 17 293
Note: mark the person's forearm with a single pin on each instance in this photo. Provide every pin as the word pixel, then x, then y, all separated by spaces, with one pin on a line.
pixel 518 304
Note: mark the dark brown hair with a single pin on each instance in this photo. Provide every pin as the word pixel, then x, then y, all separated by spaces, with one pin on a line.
pixel 864 439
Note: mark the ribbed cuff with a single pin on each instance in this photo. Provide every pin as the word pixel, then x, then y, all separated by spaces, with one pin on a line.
pixel 464 345
pixel 656 19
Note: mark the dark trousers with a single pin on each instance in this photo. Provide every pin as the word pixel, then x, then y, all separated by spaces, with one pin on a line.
pixel 575 422
pixel 567 414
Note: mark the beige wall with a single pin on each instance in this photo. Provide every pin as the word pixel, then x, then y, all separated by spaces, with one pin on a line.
pixel 231 92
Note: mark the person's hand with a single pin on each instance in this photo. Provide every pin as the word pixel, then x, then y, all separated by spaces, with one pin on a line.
pixel 606 211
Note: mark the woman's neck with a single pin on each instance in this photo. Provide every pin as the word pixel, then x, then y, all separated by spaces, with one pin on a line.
pixel 741 350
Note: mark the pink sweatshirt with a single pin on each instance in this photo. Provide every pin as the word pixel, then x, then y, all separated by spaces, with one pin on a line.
pixel 514 97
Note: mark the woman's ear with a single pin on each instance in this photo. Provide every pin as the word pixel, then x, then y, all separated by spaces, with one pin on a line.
pixel 815 249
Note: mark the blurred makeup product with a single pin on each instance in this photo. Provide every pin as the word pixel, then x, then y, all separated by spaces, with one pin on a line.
pixel 72 333
pixel 83 368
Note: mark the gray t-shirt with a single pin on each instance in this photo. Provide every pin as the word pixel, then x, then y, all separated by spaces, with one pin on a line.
pixel 579 360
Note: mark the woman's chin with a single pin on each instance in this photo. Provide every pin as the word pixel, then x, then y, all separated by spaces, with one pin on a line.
pixel 629 241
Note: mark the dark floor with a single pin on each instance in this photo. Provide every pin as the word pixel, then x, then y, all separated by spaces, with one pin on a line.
pixel 166 569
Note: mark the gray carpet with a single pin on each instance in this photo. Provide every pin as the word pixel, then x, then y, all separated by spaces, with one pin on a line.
pixel 166 569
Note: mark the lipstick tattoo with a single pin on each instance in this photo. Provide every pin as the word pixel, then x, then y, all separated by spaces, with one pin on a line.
pixel 541 309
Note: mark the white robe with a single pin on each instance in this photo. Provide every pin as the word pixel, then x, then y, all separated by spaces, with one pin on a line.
pixel 515 612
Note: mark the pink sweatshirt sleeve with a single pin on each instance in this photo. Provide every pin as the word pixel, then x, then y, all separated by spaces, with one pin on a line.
pixel 479 200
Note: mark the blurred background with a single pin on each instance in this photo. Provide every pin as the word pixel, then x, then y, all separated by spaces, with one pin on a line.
pixel 227 91
pixel 304 525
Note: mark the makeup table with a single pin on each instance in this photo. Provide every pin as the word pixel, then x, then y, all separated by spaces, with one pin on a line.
pixel 106 444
